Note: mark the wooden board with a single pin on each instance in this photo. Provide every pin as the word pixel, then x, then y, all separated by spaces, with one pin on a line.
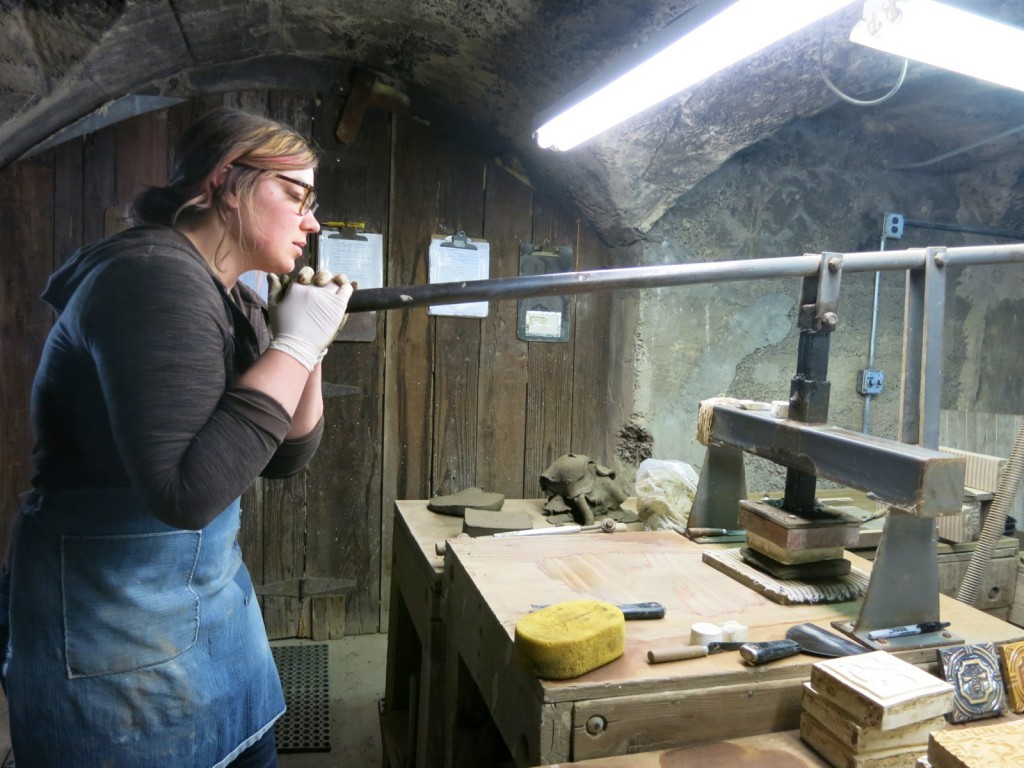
pixel 591 403
pixel 99 183
pixel 502 378
pixel 345 519
pixel 988 433
pixel 408 336
pixel 784 749
pixel 26 206
pixel 836 589
pixel 141 154
pixel 68 200
pixel 550 385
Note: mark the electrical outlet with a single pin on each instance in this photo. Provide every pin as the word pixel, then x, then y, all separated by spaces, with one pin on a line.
pixel 892 226
pixel 870 382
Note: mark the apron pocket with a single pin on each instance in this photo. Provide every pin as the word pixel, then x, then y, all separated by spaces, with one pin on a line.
pixel 128 600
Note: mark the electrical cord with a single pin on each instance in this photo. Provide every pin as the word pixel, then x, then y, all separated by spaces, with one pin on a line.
pixel 850 99
pixel 955 152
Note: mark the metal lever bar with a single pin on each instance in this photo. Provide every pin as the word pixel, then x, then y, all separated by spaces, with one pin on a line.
pixel 593 281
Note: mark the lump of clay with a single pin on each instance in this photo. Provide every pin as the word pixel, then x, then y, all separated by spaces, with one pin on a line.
pixel 583 486
pixel 471 498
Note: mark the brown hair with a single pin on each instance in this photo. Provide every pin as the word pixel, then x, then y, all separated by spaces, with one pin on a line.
pixel 251 145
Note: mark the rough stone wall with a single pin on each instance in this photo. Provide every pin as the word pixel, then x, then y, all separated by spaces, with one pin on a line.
pixel 822 184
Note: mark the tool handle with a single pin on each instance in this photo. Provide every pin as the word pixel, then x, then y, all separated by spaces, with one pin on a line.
pixel 634 611
pixel 678 653
pixel 630 611
pixel 770 650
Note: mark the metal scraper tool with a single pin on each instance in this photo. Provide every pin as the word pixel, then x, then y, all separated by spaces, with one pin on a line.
pixel 821 642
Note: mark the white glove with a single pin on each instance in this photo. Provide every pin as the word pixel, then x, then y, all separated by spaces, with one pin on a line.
pixel 306 313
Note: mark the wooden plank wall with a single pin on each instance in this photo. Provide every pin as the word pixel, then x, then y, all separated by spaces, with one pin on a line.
pixel 432 406
pixel 992 434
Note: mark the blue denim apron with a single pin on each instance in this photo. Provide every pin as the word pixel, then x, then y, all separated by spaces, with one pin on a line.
pixel 133 644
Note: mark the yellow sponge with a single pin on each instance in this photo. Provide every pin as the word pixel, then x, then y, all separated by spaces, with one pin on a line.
pixel 571 638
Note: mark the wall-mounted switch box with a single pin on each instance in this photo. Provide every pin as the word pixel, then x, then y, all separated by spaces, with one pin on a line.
pixel 870 382
pixel 892 226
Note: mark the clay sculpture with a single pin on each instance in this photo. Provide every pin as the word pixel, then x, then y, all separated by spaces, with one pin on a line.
pixel 577 484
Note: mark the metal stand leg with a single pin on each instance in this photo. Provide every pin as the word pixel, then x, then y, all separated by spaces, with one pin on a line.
pixel 897 594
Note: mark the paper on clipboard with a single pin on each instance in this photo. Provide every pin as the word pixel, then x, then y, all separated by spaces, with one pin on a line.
pixel 359 258
pixel 455 260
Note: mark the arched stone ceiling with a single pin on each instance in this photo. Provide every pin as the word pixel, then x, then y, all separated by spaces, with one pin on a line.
pixel 488 66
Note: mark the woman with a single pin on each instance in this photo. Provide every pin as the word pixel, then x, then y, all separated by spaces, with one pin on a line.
pixel 135 636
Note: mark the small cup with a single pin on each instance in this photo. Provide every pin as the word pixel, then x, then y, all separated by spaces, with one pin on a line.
pixel 704 632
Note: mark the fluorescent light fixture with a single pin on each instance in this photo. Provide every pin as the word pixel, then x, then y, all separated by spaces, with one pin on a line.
pixel 945 37
pixel 710 37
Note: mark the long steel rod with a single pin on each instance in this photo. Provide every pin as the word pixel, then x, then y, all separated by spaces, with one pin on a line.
pixel 564 283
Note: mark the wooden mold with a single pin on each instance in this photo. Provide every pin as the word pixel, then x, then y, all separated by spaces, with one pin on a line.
pixel 793 532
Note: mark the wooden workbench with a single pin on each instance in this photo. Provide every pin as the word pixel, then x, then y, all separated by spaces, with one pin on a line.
pixel 411 721
pixel 783 749
pixel 628 705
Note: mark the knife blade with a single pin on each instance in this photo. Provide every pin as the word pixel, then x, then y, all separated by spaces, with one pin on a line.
pixel 631 611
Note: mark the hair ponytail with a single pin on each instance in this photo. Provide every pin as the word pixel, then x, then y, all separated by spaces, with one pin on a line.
pixel 157 205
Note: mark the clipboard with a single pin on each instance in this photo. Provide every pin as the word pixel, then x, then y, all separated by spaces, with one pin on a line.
pixel 455 259
pixel 544 318
pixel 343 247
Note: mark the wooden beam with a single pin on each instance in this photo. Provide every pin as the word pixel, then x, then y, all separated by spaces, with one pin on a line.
pixel 359 92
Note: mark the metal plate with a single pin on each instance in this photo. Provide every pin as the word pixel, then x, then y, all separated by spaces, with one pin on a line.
pixel 306 726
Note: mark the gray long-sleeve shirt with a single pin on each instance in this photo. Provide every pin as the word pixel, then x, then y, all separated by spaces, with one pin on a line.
pixel 137 382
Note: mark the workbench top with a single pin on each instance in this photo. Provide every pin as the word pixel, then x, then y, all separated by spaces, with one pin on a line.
pixel 512 575
pixel 629 703
pixel 429 528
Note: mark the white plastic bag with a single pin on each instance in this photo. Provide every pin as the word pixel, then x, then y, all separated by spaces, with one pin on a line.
pixel 665 490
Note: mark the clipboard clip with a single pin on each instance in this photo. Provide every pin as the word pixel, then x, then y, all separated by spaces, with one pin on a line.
pixel 458 240
pixel 346 230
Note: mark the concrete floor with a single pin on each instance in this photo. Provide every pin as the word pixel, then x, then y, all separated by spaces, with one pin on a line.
pixel 356 670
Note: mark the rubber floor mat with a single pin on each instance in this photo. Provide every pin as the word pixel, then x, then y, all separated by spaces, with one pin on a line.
pixel 306 726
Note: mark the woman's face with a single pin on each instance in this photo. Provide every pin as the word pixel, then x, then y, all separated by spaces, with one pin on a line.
pixel 275 226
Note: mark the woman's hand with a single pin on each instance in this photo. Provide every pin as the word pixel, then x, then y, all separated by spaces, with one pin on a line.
pixel 306 313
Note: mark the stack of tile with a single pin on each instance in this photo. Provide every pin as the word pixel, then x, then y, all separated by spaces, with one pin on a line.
pixel 985 746
pixel 872 710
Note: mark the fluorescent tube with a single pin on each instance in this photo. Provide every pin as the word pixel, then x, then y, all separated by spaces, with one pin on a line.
pixel 945 37
pixel 688 51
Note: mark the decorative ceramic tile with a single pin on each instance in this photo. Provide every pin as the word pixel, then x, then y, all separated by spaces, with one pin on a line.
pixel 822 741
pixel 862 738
pixel 973 671
pixel 878 690
pixel 983 746
pixel 1011 657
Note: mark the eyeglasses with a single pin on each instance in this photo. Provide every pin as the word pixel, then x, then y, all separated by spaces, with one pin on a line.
pixel 308 204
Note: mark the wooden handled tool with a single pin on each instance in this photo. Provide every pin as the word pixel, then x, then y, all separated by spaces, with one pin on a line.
pixel 753 653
